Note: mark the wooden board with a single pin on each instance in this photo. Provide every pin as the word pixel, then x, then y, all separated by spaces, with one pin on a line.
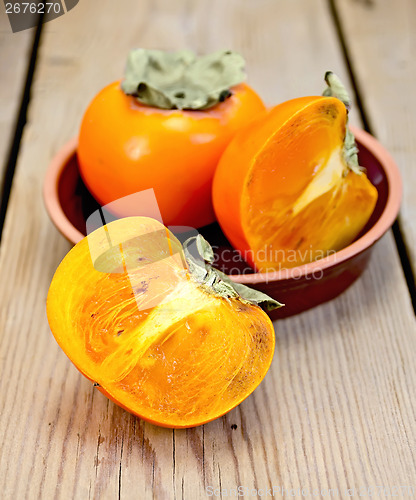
pixel 335 410
pixel 381 37
pixel 15 52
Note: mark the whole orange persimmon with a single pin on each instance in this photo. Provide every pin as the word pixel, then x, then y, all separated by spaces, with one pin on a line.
pixel 165 127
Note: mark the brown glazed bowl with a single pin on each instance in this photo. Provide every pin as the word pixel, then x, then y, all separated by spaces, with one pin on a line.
pixel 69 204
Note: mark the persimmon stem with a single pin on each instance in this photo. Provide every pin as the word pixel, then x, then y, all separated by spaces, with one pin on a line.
pixel 200 257
pixel 335 88
pixel 182 80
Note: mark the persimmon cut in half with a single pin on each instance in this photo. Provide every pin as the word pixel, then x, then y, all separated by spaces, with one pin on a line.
pixel 164 336
pixel 288 189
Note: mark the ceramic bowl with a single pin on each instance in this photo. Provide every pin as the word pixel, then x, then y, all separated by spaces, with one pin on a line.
pixel 69 203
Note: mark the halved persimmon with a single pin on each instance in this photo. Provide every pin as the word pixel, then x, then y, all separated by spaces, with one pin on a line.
pixel 288 189
pixel 176 346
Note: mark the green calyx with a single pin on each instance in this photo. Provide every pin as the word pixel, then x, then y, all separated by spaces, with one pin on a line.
pixel 335 88
pixel 182 80
pixel 200 256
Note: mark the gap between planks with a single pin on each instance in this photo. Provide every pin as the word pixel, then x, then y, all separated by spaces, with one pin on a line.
pixel 16 138
pixel 399 235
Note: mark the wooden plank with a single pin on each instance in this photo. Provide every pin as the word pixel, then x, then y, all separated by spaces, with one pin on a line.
pixel 381 38
pixel 335 410
pixel 15 53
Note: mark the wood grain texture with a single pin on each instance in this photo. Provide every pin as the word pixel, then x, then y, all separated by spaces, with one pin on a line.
pixel 381 39
pixel 15 52
pixel 335 410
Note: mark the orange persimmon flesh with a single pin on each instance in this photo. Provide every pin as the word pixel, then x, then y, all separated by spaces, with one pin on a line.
pixel 157 342
pixel 283 193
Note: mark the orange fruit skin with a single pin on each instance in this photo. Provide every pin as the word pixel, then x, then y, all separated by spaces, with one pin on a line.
pixel 180 361
pixel 126 147
pixel 268 167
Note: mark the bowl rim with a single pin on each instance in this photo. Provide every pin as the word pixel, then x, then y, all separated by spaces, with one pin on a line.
pixel 385 221
pixel 51 192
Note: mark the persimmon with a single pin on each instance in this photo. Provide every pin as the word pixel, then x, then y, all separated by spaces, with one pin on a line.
pixel 288 189
pixel 165 127
pixel 159 331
